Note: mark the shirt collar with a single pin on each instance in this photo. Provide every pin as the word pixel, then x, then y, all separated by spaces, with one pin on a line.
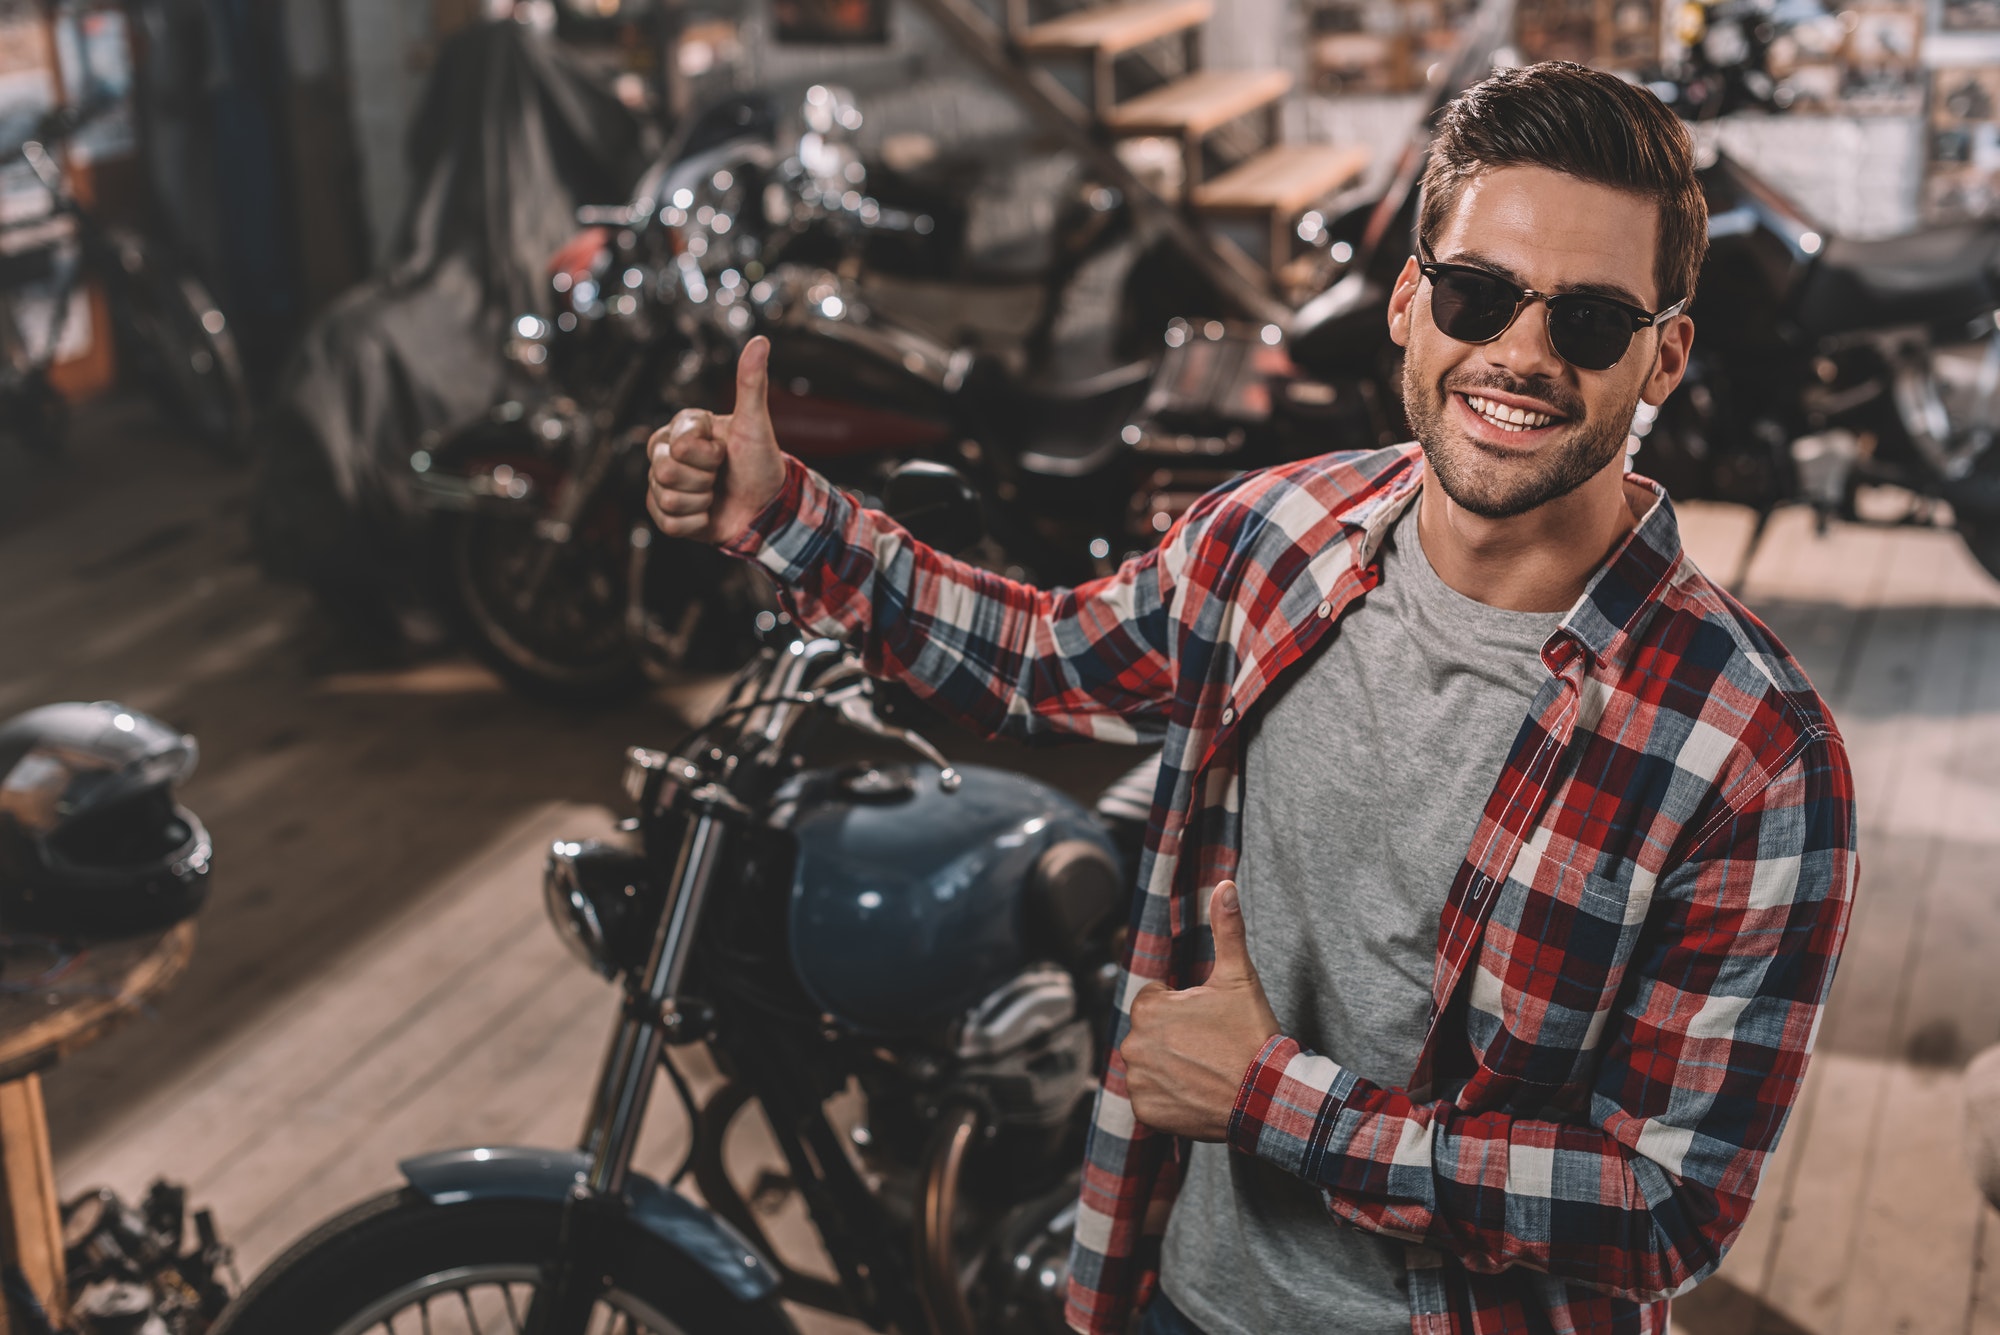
pixel 1619 600
pixel 1621 597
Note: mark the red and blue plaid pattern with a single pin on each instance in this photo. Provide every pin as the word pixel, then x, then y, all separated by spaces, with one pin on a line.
pixel 1633 955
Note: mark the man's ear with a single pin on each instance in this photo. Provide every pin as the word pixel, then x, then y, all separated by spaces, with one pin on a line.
pixel 1676 341
pixel 1401 300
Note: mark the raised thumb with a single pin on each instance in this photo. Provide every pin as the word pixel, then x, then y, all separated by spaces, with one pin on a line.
pixel 753 382
pixel 1232 947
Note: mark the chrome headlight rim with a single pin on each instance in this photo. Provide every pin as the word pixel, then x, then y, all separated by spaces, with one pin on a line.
pixel 571 910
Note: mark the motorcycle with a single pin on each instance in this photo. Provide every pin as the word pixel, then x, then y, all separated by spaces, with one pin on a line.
pixel 943 939
pixel 1824 365
pixel 543 553
pixel 168 329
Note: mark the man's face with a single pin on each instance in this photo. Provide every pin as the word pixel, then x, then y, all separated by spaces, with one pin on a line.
pixel 1509 426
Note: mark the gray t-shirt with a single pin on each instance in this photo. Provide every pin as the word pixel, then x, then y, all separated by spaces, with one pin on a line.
pixel 1363 784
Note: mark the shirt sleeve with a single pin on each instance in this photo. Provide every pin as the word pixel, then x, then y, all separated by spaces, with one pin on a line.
pixel 1000 656
pixel 1642 1195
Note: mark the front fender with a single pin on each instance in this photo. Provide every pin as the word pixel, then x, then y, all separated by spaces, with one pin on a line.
pixel 513 1172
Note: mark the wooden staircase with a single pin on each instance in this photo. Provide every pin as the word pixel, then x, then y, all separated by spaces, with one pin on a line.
pixel 1251 203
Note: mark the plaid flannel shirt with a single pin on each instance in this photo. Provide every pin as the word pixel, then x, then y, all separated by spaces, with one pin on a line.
pixel 1631 960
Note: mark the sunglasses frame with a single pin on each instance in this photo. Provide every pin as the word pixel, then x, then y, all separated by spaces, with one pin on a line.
pixel 1430 267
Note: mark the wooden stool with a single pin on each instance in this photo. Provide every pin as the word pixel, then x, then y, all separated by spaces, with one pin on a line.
pixel 71 1009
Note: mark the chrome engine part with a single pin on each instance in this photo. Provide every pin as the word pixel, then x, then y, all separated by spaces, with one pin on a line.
pixel 1026 1053
pixel 1021 1009
pixel 1021 1288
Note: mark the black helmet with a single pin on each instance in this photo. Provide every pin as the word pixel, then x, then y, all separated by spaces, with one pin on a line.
pixel 92 843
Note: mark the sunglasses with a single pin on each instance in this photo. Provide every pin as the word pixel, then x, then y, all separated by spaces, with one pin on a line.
pixel 1589 332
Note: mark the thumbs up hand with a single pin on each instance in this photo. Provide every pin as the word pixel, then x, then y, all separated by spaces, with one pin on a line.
pixel 1186 1052
pixel 712 473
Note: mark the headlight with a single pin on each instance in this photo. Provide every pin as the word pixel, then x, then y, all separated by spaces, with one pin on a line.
pixel 599 900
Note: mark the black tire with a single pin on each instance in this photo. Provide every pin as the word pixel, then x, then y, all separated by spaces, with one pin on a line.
pixel 564 641
pixel 1975 505
pixel 328 1282
pixel 1982 537
pixel 179 344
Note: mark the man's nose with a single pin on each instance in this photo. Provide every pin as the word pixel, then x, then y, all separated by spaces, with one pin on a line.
pixel 1524 347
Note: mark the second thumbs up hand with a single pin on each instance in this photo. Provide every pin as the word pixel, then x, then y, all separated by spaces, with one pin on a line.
pixel 1187 1052
pixel 711 472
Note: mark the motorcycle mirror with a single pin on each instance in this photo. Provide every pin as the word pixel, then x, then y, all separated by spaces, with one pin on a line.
pixel 936 504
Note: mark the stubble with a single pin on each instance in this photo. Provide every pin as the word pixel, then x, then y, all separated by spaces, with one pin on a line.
pixel 1495 486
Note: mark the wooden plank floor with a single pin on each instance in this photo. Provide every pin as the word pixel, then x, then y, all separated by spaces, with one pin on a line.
pixel 375 978
pixel 1868 1220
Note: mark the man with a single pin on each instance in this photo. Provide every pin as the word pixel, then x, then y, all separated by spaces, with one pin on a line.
pixel 1544 845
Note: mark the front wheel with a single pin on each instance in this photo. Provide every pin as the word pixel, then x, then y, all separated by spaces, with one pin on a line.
pixel 179 344
pixel 1975 502
pixel 554 617
pixel 1982 537
pixel 401 1264
pixel 548 615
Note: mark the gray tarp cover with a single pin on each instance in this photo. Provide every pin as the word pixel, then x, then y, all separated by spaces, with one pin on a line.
pixel 513 134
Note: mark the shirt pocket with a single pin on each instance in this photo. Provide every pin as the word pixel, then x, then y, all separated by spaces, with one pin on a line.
pixel 1545 988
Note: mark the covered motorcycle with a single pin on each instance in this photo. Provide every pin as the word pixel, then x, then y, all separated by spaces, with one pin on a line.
pixel 508 116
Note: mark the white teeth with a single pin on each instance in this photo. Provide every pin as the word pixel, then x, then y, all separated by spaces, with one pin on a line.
pixel 1505 417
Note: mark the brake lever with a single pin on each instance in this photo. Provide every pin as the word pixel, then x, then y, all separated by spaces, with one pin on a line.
pixel 856 705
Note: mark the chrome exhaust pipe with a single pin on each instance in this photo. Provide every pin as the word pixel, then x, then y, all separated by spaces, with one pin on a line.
pixel 937 1256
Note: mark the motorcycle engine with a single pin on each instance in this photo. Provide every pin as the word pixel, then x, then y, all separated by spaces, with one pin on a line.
pixel 1022 1286
pixel 1025 1058
pixel 1024 1053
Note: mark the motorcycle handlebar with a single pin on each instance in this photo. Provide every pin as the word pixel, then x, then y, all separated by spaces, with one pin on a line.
pixel 776 694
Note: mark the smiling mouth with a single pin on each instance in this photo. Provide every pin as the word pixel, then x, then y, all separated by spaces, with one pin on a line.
pixel 1504 417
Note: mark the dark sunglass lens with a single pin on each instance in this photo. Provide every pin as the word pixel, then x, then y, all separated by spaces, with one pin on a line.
pixel 1471 307
pixel 1588 333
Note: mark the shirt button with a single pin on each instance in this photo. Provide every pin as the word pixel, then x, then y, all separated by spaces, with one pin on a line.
pixel 1229 716
pixel 1326 609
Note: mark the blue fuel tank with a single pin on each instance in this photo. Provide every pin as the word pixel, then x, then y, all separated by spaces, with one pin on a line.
pixel 907 902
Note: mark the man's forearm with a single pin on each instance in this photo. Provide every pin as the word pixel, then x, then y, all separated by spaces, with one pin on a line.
pixel 1000 656
pixel 1488 1189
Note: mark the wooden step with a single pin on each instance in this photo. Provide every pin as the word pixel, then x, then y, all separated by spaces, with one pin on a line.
pixel 1110 30
pixel 1282 179
pixel 1199 103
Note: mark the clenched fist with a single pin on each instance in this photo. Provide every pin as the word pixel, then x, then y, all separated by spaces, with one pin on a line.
pixel 1187 1052
pixel 711 474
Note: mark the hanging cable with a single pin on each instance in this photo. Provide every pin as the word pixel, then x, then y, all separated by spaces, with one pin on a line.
pixel 693 1113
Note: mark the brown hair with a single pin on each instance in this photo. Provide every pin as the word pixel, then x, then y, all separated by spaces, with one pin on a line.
pixel 1584 123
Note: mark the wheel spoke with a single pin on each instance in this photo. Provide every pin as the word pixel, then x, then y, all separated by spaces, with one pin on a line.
pixel 513 1317
pixel 469 1305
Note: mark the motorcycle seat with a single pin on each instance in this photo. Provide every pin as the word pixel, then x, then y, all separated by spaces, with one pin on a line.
pixel 1071 429
pixel 1937 276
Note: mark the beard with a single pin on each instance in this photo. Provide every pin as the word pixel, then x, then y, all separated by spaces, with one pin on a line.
pixel 1495 486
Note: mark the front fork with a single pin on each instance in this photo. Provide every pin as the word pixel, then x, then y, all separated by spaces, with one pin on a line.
pixel 625 1081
